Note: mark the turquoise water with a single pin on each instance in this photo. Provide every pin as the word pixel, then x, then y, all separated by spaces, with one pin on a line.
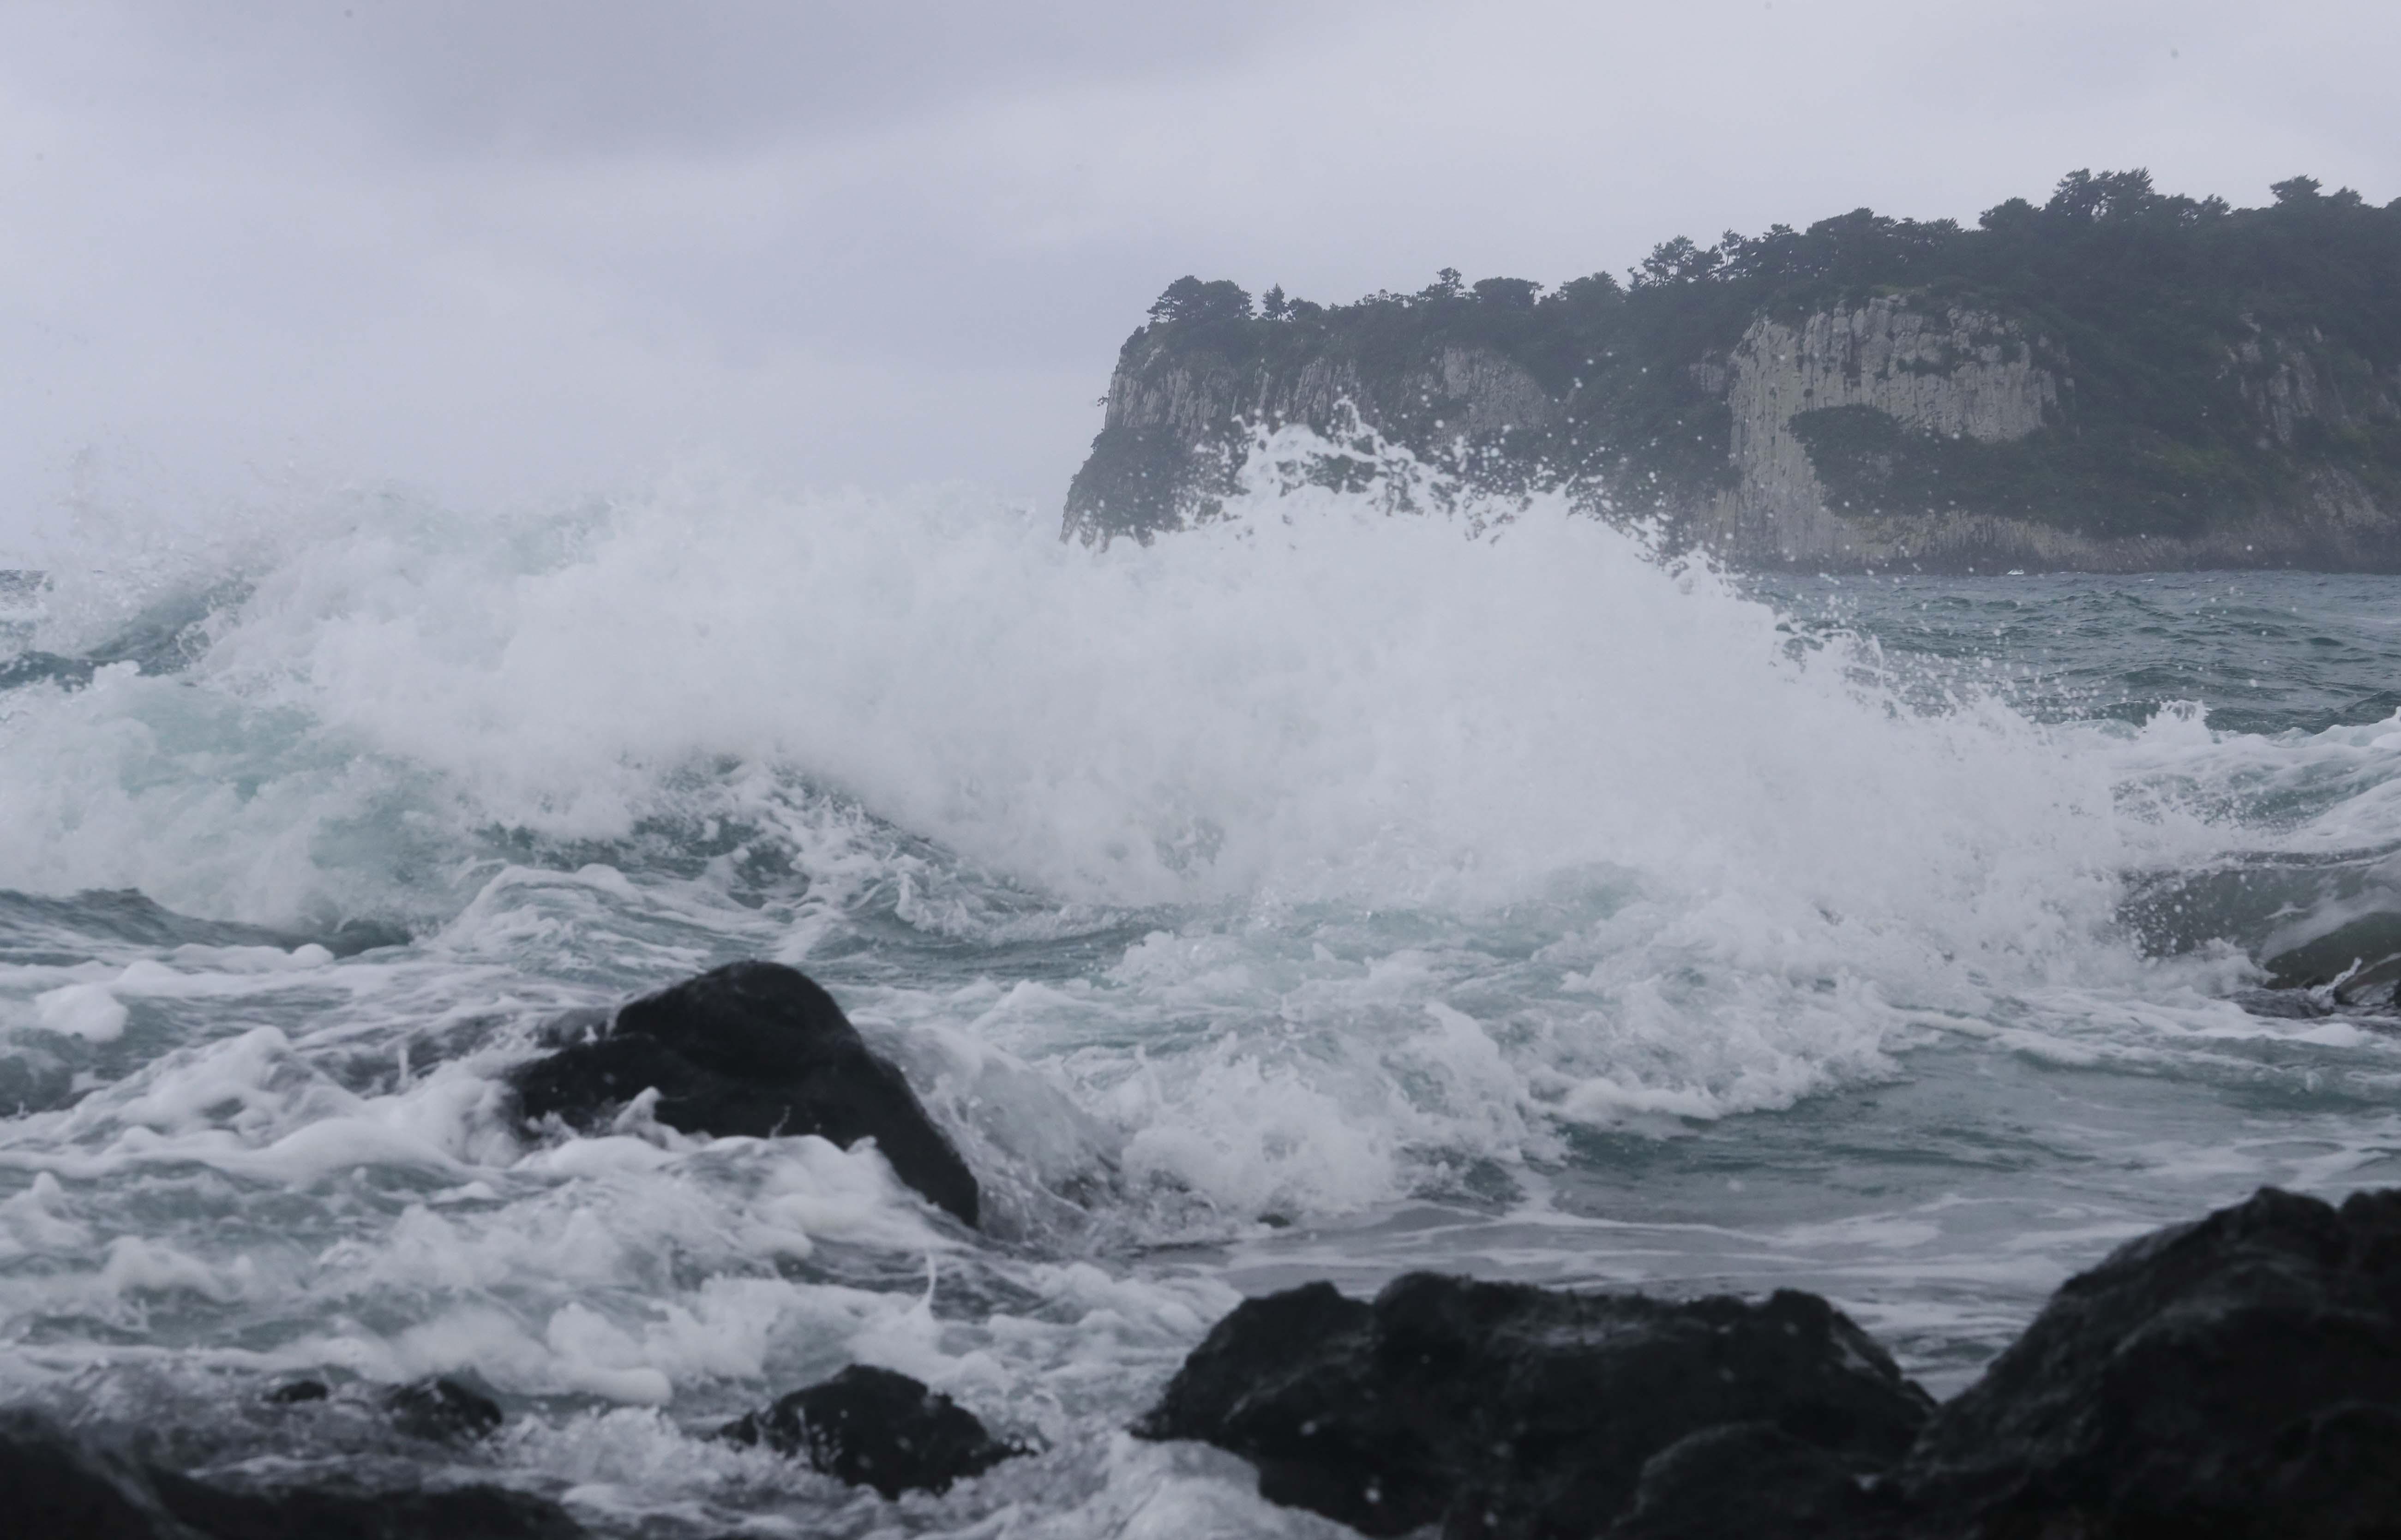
pixel 1316 894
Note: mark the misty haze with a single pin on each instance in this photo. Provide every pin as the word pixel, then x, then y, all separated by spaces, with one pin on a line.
pixel 1102 771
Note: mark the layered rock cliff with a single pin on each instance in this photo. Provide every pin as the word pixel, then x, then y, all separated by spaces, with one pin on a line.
pixel 2160 384
pixel 1180 415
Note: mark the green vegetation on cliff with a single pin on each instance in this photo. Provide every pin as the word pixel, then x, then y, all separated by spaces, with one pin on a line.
pixel 2207 364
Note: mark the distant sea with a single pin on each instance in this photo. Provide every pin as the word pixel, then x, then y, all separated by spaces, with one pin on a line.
pixel 1314 894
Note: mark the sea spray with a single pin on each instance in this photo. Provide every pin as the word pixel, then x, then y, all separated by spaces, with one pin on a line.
pixel 1317 891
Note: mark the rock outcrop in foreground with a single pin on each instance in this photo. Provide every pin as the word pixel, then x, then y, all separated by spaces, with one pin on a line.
pixel 2239 1378
pixel 2116 380
pixel 1506 1410
pixel 873 1428
pixel 57 1488
pixel 754 1049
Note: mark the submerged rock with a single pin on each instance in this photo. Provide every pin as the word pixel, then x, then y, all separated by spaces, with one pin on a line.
pixel 1506 1410
pixel 2285 1005
pixel 55 1486
pixel 60 1488
pixel 877 1428
pixel 755 1049
pixel 299 1392
pixel 441 1412
pixel 2353 970
pixel 2240 1376
pixel 2354 958
pixel 454 1513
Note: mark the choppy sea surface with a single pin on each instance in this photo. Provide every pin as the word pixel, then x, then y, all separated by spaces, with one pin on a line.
pixel 1314 894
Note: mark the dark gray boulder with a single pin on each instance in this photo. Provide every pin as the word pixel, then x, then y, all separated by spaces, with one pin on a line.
pixel 1502 1409
pixel 877 1428
pixel 1754 1481
pixel 2236 1376
pixel 755 1049
pixel 442 1411
pixel 2362 954
pixel 450 1513
pixel 61 1487
pixel 54 1486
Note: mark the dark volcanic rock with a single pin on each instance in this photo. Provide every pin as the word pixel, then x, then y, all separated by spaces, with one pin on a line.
pixel 1751 1481
pixel 755 1049
pixel 53 1486
pixel 2236 1377
pixel 874 1427
pixel 56 1488
pixel 2369 944
pixel 456 1513
pixel 1506 1410
pixel 442 1411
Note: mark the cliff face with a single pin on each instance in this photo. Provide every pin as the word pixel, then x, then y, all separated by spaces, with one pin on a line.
pixel 1958 374
pixel 1967 376
pixel 1177 419
pixel 1911 380
pixel 2187 393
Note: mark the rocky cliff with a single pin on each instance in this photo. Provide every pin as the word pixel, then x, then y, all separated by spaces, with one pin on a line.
pixel 1181 413
pixel 2121 383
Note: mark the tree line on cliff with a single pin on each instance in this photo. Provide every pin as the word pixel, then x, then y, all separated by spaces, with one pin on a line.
pixel 2147 300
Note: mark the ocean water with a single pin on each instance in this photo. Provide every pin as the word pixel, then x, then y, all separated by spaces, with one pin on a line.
pixel 1319 893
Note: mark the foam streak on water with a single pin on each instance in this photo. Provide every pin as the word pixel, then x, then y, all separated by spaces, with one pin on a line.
pixel 1318 893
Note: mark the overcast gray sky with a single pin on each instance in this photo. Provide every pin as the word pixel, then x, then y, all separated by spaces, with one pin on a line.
pixel 531 248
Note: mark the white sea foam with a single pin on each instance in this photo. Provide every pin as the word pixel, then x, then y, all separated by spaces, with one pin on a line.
pixel 85 1011
pixel 1735 872
pixel 1286 869
pixel 1316 702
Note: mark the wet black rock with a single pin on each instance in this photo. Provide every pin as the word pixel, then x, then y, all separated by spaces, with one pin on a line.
pixel 874 1427
pixel 752 1049
pixel 2236 1377
pixel 455 1513
pixel 442 1411
pixel 2367 712
pixel 299 1391
pixel 54 1486
pixel 2286 1005
pixel 1502 1410
pixel 60 1488
pixel 2354 958
pixel 2370 987
pixel 1752 1481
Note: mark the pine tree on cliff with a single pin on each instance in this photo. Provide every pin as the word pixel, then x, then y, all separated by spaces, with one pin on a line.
pixel 1188 302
